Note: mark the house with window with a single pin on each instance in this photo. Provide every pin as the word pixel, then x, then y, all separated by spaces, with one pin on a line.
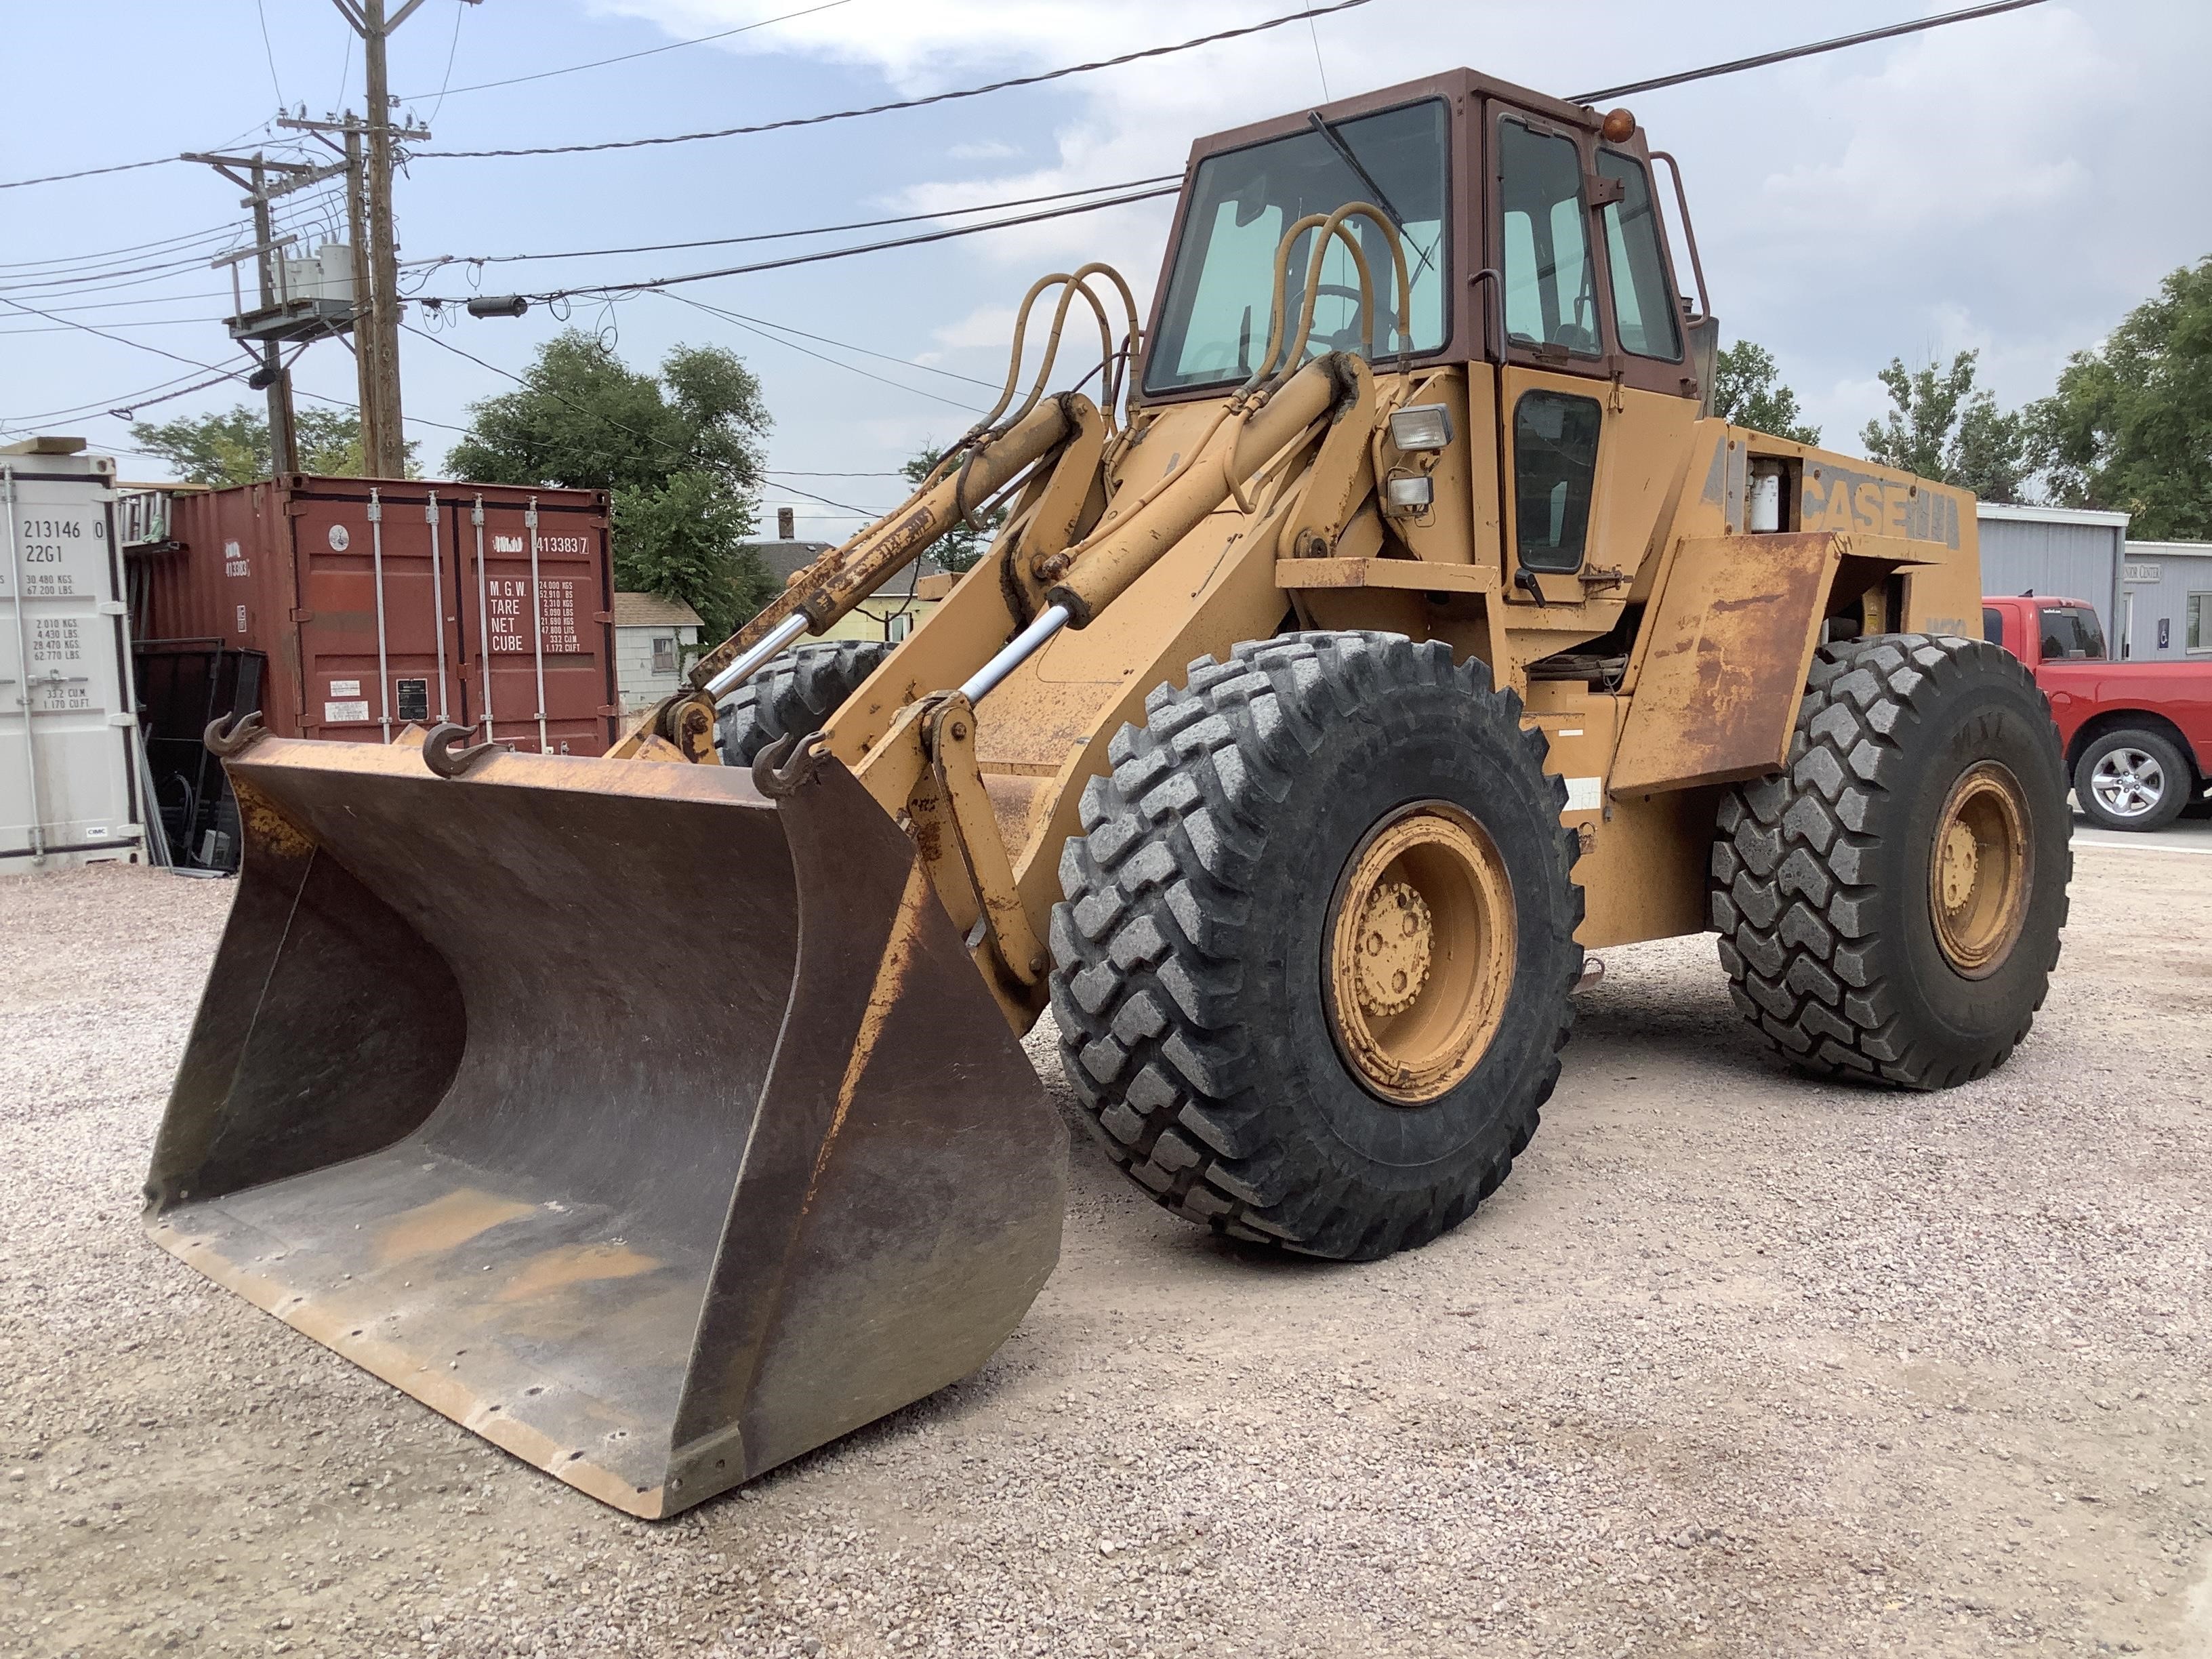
pixel 654 639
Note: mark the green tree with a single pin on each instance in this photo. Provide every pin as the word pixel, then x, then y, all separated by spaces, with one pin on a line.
pixel 1942 426
pixel 2130 426
pixel 1747 391
pixel 680 453
pixel 961 546
pixel 234 449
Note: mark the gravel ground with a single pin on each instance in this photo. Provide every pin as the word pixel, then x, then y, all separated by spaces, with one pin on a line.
pixel 1735 1363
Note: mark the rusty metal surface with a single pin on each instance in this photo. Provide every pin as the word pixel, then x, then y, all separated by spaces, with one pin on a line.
pixel 1727 649
pixel 447 1109
pixel 289 567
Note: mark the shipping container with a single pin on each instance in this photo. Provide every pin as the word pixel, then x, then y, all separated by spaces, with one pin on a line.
pixel 69 761
pixel 379 602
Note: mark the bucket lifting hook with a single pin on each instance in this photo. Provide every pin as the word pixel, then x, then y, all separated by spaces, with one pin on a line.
pixel 439 754
pixel 226 736
pixel 789 764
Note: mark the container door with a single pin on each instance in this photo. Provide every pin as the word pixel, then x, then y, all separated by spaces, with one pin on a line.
pixel 534 590
pixel 69 776
pixel 378 647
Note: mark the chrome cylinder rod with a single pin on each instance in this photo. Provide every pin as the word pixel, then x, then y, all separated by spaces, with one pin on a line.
pixel 744 667
pixel 1016 651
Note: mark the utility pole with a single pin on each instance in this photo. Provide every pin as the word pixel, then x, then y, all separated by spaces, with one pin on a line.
pixel 283 445
pixel 364 347
pixel 280 316
pixel 384 444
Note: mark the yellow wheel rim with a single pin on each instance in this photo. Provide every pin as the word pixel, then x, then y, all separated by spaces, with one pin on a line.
pixel 1980 870
pixel 1420 953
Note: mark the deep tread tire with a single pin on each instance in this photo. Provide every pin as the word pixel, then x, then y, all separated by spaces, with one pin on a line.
pixel 1820 873
pixel 795 692
pixel 1188 956
pixel 2180 781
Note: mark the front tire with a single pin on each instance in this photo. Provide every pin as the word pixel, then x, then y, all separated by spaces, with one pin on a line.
pixel 1889 907
pixel 795 691
pixel 1241 1036
pixel 2132 780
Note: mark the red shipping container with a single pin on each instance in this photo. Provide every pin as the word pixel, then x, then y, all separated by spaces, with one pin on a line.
pixel 383 601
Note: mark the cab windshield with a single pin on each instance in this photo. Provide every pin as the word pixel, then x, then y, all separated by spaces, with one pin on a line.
pixel 1214 327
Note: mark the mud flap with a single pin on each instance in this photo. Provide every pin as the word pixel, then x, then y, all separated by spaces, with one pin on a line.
pixel 654 1128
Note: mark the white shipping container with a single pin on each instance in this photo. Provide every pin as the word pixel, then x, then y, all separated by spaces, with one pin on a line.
pixel 69 774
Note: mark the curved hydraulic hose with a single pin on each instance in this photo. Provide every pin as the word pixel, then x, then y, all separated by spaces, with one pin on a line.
pixel 1071 283
pixel 1279 306
pixel 1293 351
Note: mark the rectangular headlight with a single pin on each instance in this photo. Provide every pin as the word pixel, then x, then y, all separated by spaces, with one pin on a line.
pixel 1421 426
pixel 1409 494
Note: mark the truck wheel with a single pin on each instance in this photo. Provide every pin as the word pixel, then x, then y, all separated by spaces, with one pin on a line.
pixel 2132 780
pixel 795 692
pixel 1889 907
pixel 1312 975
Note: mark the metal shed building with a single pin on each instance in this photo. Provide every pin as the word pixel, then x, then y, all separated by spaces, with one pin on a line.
pixel 2166 600
pixel 2075 552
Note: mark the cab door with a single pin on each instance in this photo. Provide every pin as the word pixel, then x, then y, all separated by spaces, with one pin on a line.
pixel 1590 442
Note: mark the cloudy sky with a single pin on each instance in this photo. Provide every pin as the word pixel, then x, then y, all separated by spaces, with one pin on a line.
pixel 2014 184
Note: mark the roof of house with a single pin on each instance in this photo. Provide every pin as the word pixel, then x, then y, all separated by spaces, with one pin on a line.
pixel 651 611
pixel 786 559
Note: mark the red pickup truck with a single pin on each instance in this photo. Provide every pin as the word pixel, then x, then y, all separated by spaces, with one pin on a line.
pixel 2137 735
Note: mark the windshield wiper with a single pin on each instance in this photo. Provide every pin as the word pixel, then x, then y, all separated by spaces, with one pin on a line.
pixel 1321 125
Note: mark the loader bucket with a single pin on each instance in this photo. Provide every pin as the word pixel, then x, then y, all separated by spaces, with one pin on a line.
pixel 654 1127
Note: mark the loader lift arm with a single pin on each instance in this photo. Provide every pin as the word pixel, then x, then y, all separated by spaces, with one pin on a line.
pixel 1068 551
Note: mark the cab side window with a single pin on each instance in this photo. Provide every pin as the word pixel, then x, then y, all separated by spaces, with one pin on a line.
pixel 1643 309
pixel 1551 279
pixel 1993 625
pixel 1554 469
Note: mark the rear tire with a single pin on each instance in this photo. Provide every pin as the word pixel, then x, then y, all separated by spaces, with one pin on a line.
pixel 2132 780
pixel 795 691
pixel 1196 960
pixel 1889 907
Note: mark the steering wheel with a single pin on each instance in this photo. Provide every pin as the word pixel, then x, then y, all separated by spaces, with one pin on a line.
pixel 1349 337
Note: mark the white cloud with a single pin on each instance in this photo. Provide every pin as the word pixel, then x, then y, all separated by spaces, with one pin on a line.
pixel 990 149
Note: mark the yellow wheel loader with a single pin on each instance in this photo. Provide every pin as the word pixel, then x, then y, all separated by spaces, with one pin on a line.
pixel 1387 624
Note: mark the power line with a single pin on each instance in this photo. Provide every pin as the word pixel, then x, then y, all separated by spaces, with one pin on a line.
pixel 452 46
pixel 139 345
pixel 1788 52
pixel 906 103
pixel 608 420
pixel 57 282
pixel 64 326
pixel 261 11
pixel 782 236
pixel 610 289
pixel 624 58
pixel 122 407
pixel 159 242
pixel 504 374
pixel 87 173
pixel 842 345
pixel 850 368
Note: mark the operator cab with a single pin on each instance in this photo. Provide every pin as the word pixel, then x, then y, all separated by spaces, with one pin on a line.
pixel 1530 225
pixel 1538 260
